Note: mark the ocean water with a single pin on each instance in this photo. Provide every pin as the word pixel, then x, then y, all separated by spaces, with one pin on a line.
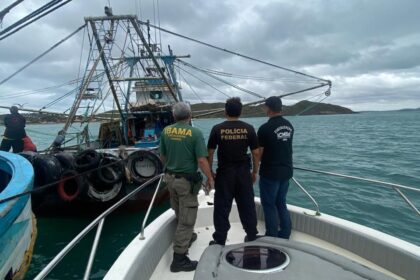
pixel 376 145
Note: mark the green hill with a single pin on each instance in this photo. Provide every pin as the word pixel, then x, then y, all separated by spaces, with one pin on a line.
pixel 300 108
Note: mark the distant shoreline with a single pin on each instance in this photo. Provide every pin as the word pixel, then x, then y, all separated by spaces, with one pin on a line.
pixel 302 108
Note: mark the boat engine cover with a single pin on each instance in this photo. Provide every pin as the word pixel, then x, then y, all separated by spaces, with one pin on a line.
pixel 299 261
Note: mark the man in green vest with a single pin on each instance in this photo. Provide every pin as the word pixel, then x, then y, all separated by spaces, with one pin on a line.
pixel 183 150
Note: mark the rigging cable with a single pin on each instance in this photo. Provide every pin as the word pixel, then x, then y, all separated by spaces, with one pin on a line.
pixel 327 92
pixel 41 55
pixel 234 53
pixel 7 10
pixel 222 80
pixel 193 91
pixel 312 106
pixel 210 85
pixel 43 11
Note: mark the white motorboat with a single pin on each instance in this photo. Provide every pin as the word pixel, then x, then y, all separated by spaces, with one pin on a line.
pixel 321 247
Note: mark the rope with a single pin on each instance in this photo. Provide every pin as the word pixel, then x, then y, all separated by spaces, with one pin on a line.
pixel 53 184
pixel 232 52
pixel 41 55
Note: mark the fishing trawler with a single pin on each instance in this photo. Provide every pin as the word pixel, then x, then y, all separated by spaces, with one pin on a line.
pixel 17 222
pixel 89 176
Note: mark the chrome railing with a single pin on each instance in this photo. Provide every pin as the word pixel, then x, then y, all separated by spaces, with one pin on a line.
pixel 98 221
pixel 146 217
pixel 317 212
pixel 396 187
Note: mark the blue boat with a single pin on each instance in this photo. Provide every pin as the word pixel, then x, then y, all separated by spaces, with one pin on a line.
pixel 17 222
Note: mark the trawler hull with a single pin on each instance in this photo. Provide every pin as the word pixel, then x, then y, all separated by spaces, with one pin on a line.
pixel 89 182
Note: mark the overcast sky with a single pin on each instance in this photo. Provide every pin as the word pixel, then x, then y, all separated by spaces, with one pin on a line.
pixel 369 49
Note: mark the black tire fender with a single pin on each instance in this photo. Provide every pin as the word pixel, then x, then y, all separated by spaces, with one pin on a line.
pixel 113 171
pixel 66 160
pixel 86 160
pixel 146 160
pixel 30 156
pixel 71 185
pixel 47 169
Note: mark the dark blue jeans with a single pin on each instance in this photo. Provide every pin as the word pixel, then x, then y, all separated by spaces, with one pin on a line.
pixel 273 199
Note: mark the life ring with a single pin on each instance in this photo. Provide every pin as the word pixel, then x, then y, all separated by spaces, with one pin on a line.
pixel 47 169
pixel 66 160
pixel 112 173
pixel 70 186
pixel 103 192
pixel 144 165
pixel 86 160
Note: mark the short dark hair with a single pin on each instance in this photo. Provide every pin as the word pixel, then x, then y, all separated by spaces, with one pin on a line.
pixel 14 109
pixel 233 107
pixel 274 104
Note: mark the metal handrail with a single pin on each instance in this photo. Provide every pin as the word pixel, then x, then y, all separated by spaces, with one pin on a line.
pixel 396 187
pixel 100 219
pixel 317 212
pixel 149 209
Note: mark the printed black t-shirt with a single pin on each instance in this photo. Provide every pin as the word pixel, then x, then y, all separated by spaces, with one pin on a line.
pixel 232 139
pixel 276 137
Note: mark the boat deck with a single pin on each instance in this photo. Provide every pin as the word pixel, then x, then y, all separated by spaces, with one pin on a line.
pixel 236 236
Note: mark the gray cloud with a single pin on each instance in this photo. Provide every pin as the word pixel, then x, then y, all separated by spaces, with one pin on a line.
pixel 369 49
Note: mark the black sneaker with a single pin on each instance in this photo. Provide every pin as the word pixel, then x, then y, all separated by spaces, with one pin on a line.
pixel 214 242
pixel 182 263
pixel 193 238
pixel 248 239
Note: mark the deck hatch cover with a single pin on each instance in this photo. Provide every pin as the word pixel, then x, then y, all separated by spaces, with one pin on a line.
pixel 257 258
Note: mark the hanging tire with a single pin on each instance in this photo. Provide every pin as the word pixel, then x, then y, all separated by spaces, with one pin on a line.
pixel 86 160
pixel 66 160
pixel 47 169
pixel 30 156
pixel 144 165
pixel 70 186
pixel 103 192
pixel 112 172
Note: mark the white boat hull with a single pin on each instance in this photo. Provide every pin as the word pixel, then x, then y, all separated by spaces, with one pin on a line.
pixel 150 258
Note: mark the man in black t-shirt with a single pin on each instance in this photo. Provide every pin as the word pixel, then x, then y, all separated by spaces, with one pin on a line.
pixel 275 139
pixel 15 131
pixel 234 178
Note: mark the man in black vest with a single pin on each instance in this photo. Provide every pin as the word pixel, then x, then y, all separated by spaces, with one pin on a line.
pixel 275 139
pixel 234 178
pixel 15 131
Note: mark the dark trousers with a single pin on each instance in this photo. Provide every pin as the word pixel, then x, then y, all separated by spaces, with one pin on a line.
pixel 17 145
pixel 273 200
pixel 234 182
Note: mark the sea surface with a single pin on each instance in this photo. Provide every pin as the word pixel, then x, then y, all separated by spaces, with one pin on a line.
pixel 377 145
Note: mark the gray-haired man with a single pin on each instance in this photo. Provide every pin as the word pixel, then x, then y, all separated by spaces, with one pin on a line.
pixel 183 150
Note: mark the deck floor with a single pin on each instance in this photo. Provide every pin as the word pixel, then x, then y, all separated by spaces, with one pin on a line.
pixel 236 235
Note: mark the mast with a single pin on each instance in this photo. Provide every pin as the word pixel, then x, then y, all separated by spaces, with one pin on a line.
pixel 134 22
